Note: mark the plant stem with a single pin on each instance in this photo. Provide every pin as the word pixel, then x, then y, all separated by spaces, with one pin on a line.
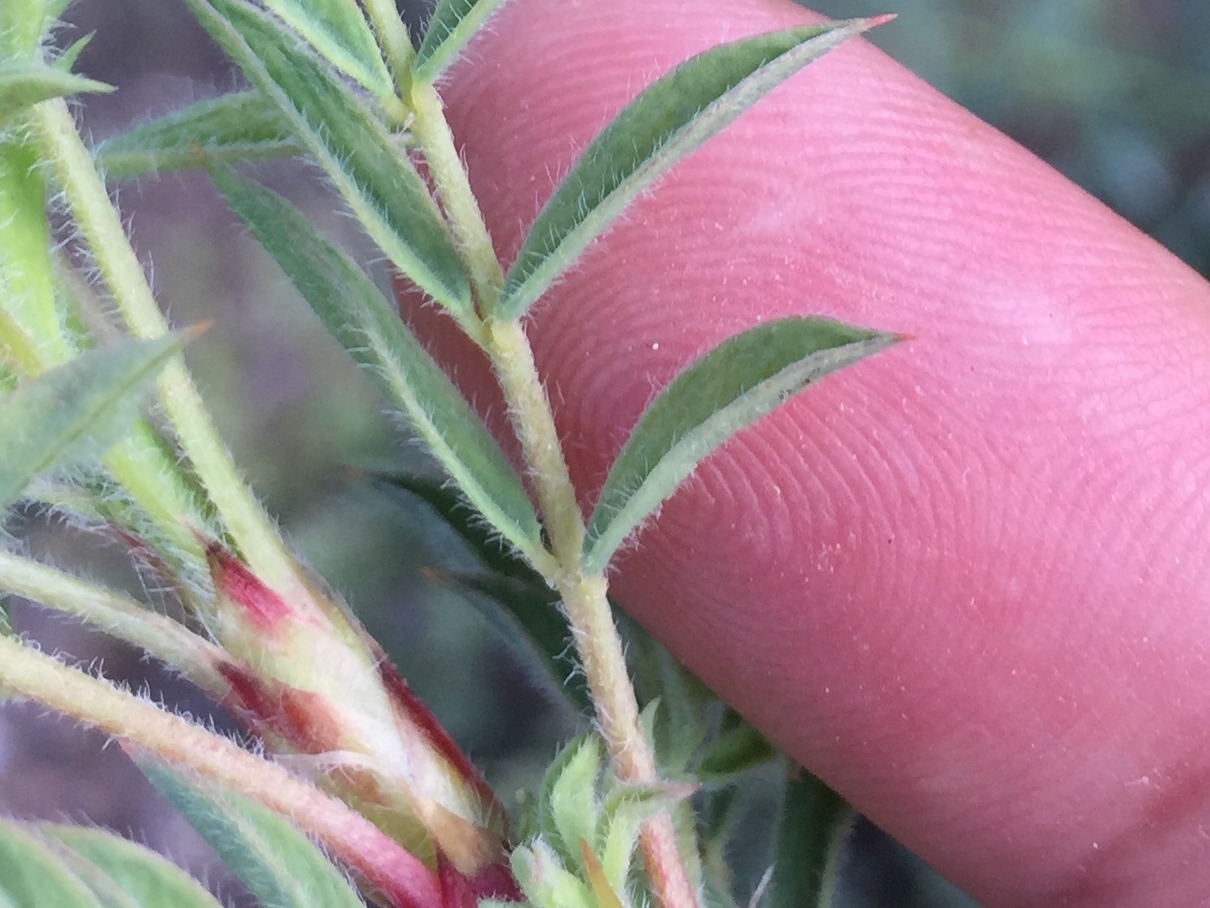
pixel 432 132
pixel 394 40
pixel 157 635
pixel 584 595
pixel 342 831
pixel 251 529
pixel 513 362
pixel 584 598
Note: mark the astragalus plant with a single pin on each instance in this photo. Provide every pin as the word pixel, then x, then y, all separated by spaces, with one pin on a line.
pixel 101 423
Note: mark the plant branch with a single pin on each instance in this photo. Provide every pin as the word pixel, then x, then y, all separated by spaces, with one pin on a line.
pixel 584 596
pixel 251 529
pixel 157 635
pixel 432 133
pixel 393 39
pixel 343 832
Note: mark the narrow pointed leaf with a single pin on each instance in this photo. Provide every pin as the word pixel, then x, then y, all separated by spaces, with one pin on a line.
pixel 667 121
pixel 371 330
pixel 679 727
pixel 23 84
pixel 144 877
pixel 532 627
pixel 66 61
pixel 362 160
pixel 450 505
pixel 730 387
pixel 623 812
pixel 510 594
pixel 33 876
pixel 338 31
pixel 738 749
pixel 815 825
pixel 541 824
pixel 76 410
pixel 241 126
pixel 453 24
pixel 545 881
pixel 270 856
pixel 572 802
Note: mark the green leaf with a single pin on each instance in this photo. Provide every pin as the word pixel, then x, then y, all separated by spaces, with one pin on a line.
pixel 678 727
pixel 76 410
pixel 623 811
pixel 667 121
pixel 270 856
pixel 23 84
pixel 33 876
pixel 571 803
pixel 66 61
pixel 545 881
pixel 241 126
pixel 729 388
pixel 338 32
pixel 144 877
pixel 450 505
pixel 511 595
pixel 453 24
pixel 26 281
pixel 539 821
pixel 372 331
pixel 738 748
pixel 370 171
pixel 815 825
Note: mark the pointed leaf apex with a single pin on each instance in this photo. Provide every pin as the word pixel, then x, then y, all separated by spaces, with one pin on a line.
pixel 196 330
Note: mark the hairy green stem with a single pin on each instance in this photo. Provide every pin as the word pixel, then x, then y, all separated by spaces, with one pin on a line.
pixel 473 241
pixel 157 635
pixel 342 831
pixel 394 40
pixel 253 533
pixel 587 607
pixel 513 361
pixel 584 595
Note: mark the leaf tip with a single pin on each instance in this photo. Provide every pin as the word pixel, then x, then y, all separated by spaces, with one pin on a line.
pixel 196 330
pixel 874 21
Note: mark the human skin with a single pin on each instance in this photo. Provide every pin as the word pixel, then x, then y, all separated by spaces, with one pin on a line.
pixel 964 581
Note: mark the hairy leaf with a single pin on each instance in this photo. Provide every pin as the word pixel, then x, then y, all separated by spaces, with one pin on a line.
pixel 453 24
pixel 371 330
pixel 738 749
pixel 374 176
pixel 66 61
pixel 269 855
pixel 571 801
pixel 144 877
pixel 338 31
pixel 667 121
pixel 546 882
pixel 32 875
pixel 25 83
pixel 241 126
pixel 815 824
pixel 76 410
pixel 730 387
pixel 624 810
pixel 512 596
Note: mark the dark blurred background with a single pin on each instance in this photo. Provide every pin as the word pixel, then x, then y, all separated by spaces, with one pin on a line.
pixel 1114 93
